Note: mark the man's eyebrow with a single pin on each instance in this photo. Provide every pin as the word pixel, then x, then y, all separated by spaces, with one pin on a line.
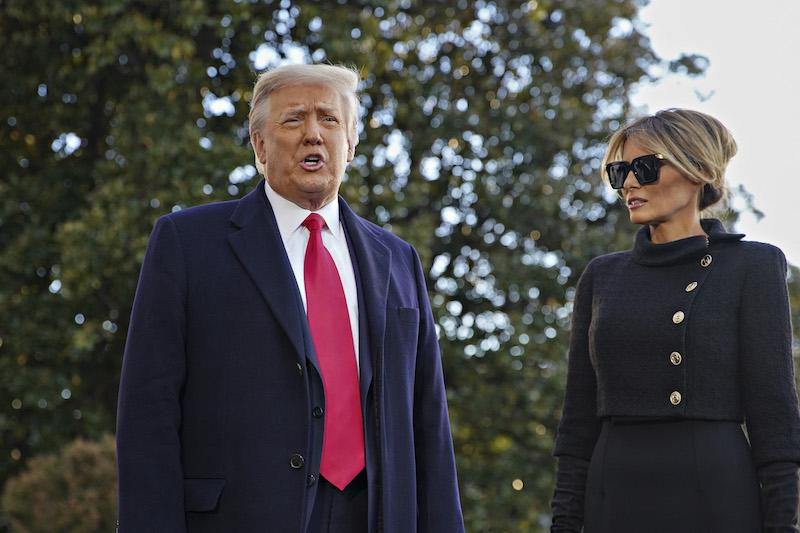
pixel 293 108
pixel 327 108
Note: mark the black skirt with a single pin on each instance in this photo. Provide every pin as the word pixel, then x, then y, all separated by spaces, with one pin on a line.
pixel 687 476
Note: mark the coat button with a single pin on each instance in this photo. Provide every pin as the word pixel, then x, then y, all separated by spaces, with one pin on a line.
pixel 299 369
pixel 317 412
pixel 675 398
pixel 678 317
pixel 311 479
pixel 296 461
pixel 706 260
pixel 692 286
pixel 675 358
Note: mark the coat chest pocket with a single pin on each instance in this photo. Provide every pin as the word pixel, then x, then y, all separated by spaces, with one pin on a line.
pixel 407 315
pixel 402 337
pixel 202 495
pixel 402 330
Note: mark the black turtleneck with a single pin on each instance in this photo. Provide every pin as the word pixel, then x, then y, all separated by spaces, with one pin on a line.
pixel 646 252
pixel 721 304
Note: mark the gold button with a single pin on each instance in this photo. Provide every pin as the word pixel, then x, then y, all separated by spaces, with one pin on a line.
pixel 678 317
pixel 675 398
pixel 692 286
pixel 675 358
pixel 706 260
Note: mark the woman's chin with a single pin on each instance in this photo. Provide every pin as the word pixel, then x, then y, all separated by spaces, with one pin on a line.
pixel 637 218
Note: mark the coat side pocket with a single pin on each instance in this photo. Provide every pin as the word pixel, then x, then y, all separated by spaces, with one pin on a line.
pixel 202 495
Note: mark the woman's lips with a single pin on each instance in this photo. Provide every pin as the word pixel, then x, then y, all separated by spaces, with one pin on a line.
pixel 636 203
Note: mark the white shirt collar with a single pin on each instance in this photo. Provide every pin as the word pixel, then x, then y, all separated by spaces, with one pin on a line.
pixel 290 216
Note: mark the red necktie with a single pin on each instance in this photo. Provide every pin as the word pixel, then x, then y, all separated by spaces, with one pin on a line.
pixel 326 307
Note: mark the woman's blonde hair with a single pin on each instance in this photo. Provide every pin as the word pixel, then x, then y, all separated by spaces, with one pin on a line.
pixel 341 78
pixel 698 145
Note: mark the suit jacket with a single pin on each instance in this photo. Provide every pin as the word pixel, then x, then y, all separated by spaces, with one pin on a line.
pixel 217 428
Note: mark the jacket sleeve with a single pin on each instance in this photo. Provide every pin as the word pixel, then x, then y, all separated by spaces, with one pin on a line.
pixel 779 489
pixel 579 426
pixel 438 501
pixel 148 412
pixel 768 386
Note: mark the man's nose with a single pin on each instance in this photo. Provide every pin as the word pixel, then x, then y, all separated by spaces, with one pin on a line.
pixel 312 133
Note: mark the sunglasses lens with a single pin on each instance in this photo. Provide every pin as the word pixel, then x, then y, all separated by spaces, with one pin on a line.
pixel 617 172
pixel 646 169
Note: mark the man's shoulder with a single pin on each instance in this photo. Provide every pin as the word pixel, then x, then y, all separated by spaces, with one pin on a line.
pixel 199 225
pixel 205 213
pixel 379 233
pixel 383 234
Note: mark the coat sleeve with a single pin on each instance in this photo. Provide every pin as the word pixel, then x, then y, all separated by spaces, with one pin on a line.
pixel 148 412
pixel 579 426
pixel 438 501
pixel 768 386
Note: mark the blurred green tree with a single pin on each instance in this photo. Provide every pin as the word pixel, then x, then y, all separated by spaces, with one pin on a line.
pixel 72 491
pixel 481 143
pixel 794 301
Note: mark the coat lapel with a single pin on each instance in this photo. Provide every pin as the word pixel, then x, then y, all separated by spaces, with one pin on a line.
pixel 258 245
pixel 373 262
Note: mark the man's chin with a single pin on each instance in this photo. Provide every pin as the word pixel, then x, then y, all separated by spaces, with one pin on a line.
pixel 315 181
pixel 314 198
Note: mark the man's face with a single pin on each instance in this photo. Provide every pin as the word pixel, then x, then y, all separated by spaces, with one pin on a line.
pixel 304 144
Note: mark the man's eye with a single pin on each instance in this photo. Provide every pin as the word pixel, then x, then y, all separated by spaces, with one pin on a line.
pixel 331 119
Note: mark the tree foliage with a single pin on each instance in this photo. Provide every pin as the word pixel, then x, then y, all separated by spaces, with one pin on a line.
pixel 73 490
pixel 481 141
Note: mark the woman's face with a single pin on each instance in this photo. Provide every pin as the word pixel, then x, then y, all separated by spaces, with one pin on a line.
pixel 672 198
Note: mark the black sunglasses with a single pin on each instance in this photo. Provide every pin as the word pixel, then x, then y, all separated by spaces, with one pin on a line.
pixel 645 169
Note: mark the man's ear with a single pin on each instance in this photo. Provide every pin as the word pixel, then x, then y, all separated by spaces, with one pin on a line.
pixel 260 152
pixel 258 147
pixel 352 142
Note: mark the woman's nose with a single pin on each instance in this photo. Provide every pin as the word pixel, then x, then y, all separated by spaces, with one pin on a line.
pixel 630 181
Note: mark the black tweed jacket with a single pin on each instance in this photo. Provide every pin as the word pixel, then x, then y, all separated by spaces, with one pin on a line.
pixel 696 328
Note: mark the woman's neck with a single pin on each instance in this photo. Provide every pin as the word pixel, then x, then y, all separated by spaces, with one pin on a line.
pixel 672 230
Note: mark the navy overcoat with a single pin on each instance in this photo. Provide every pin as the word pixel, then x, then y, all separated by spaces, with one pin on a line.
pixel 216 418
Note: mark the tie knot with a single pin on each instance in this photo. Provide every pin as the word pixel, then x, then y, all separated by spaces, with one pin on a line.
pixel 314 222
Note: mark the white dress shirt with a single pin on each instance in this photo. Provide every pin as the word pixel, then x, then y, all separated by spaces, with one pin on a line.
pixel 290 217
